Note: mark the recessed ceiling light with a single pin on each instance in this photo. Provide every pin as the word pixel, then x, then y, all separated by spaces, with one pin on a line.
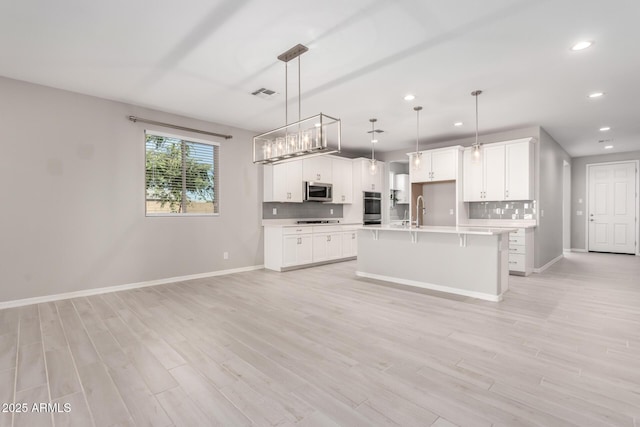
pixel 409 97
pixel 608 147
pixel 605 128
pixel 458 124
pixel 581 45
pixel 596 94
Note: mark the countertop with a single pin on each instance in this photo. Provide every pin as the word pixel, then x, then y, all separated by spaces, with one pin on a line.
pixel 441 229
pixel 292 222
pixel 498 223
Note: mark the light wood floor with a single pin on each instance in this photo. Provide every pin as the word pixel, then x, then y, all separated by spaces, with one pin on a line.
pixel 320 347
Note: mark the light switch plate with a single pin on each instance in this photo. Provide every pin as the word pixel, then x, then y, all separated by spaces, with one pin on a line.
pixel 579 213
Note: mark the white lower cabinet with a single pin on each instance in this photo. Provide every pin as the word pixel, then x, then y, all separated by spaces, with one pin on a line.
pixel 290 246
pixel 327 246
pixel 350 243
pixel 521 251
pixel 297 249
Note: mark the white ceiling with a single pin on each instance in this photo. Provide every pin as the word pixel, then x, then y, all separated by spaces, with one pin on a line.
pixel 203 58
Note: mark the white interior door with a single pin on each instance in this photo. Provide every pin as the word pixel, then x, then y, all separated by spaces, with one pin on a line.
pixel 612 208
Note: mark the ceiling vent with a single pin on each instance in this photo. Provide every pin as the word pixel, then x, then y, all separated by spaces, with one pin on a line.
pixel 264 93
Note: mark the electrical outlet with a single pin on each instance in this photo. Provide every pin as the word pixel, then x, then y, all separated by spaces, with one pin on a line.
pixel 579 213
pixel 450 211
pixel 331 211
pixel 275 211
pixel 541 212
pixel 225 255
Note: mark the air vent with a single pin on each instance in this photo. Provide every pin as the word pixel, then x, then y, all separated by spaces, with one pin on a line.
pixel 264 93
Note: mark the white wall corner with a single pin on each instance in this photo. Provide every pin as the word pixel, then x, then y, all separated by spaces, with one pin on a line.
pixel 549 264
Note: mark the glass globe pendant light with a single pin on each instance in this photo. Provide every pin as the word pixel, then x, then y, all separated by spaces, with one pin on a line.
pixel 373 163
pixel 476 145
pixel 417 157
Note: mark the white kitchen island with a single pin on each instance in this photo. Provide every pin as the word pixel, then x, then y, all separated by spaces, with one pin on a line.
pixel 468 261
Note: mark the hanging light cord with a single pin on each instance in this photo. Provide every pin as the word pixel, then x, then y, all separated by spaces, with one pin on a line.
pixel 476 93
pixel 372 134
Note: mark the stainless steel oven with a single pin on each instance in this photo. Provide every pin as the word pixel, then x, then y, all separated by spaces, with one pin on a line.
pixel 372 208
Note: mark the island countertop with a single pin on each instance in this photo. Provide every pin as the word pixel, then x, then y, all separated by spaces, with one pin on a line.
pixel 441 229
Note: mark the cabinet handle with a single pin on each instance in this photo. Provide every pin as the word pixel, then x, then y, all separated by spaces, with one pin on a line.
pixel 513 262
pixel 328 238
pixel 373 186
pixel 299 240
pixel 506 194
pixel 318 176
pixel 353 236
pixel 343 198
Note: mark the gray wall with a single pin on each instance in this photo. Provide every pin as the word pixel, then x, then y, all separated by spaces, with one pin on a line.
pixel 439 198
pixel 579 192
pixel 548 235
pixel 73 211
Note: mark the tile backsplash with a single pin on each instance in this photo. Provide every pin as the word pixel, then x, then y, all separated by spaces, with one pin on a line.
pixel 301 210
pixel 520 209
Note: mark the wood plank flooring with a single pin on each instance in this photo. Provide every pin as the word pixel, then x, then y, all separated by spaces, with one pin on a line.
pixel 320 347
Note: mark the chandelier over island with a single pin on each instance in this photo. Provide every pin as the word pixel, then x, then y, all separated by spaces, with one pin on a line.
pixel 313 136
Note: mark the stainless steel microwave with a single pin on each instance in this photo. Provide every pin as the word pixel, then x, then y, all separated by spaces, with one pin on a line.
pixel 318 192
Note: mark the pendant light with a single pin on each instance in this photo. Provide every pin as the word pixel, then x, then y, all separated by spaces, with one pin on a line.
pixel 373 163
pixel 417 157
pixel 476 145
pixel 313 136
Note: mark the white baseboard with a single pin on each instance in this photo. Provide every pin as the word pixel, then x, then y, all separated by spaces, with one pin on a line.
pixel 116 288
pixel 578 250
pixel 549 264
pixel 431 286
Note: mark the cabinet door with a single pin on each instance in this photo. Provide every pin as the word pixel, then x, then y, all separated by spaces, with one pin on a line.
pixel 493 165
pixel 320 247
pixel 349 243
pixel 317 169
pixel 283 182
pixel 519 167
pixel 334 245
pixel 473 189
pixel 305 249
pixel 402 185
pixel 371 182
pixel 342 174
pixel 443 165
pixel 422 172
pixel 290 250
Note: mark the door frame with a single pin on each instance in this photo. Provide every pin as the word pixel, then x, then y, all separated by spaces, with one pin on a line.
pixel 587 188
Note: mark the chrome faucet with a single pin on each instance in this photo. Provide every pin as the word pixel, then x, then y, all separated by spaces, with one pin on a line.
pixel 418 209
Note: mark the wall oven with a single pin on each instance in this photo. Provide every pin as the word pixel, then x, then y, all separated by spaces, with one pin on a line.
pixel 372 208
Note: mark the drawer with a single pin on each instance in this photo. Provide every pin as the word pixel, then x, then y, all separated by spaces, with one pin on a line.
pixel 515 239
pixel 327 228
pixel 518 232
pixel 516 262
pixel 516 249
pixel 296 230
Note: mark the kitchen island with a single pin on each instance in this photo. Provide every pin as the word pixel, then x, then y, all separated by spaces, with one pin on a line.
pixel 468 261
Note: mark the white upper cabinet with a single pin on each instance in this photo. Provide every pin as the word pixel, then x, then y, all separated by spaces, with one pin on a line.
pixel 317 169
pixel 493 159
pixel 504 171
pixel 403 188
pixel 519 167
pixel 283 182
pixel 435 165
pixel 342 173
pixel 371 182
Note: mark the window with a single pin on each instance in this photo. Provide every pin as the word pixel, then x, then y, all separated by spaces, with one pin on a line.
pixel 181 176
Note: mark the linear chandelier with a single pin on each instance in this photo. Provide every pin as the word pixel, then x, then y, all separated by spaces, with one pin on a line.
pixel 313 136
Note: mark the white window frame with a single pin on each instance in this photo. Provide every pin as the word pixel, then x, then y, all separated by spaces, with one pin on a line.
pixel 216 171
